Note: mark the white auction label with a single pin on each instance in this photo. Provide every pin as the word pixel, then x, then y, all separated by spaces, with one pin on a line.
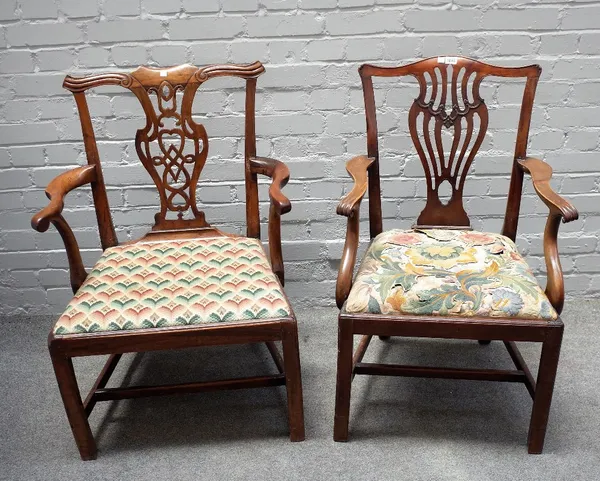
pixel 448 60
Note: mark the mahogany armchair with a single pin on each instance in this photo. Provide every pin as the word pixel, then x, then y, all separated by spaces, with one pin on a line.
pixel 440 279
pixel 185 283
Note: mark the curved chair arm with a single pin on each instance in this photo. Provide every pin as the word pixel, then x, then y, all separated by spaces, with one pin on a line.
pixel 280 204
pixel 56 191
pixel 541 173
pixel 560 209
pixel 278 171
pixel 357 167
pixel 349 206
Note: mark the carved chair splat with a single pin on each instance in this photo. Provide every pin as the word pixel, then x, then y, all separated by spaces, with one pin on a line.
pixel 449 98
pixel 173 149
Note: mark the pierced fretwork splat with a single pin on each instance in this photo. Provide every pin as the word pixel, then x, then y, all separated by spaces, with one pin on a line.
pixel 172 146
pixel 448 121
pixel 448 99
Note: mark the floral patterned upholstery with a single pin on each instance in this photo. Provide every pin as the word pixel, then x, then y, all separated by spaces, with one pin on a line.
pixel 176 283
pixel 448 273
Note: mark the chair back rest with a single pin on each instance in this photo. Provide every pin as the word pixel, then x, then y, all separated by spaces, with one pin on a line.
pixel 171 145
pixel 449 98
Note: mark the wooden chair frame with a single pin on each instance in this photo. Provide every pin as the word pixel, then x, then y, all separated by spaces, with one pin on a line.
pixel 365 172
pixel 63 348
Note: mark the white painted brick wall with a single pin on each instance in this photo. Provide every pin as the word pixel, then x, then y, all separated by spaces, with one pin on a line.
pixel 310 114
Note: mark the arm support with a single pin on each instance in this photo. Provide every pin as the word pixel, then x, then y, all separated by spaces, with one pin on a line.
pixel 560 209
pixel 349 206
pixel 56 191
pixel 280 204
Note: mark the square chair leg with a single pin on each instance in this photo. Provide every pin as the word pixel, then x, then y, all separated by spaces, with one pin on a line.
pixel 69 391
pixel 344 380
pixel 293 381
pixel 544 390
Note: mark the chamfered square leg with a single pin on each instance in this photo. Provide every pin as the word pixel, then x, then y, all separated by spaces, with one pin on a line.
pixel 69 391
pixel 293 381
pixel 544 390
pixel 344 381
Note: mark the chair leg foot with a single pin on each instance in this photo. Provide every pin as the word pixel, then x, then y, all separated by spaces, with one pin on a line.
pixel 384 338
pixel 543 392
pixel 484 342
pixel 344 381
pixel 69 391
pixel 293 382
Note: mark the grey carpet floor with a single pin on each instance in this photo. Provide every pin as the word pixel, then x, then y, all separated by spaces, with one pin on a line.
pixel 413 429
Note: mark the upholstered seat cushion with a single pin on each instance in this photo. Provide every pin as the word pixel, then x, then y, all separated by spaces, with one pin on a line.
pixel 447 273
pixel 176 283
